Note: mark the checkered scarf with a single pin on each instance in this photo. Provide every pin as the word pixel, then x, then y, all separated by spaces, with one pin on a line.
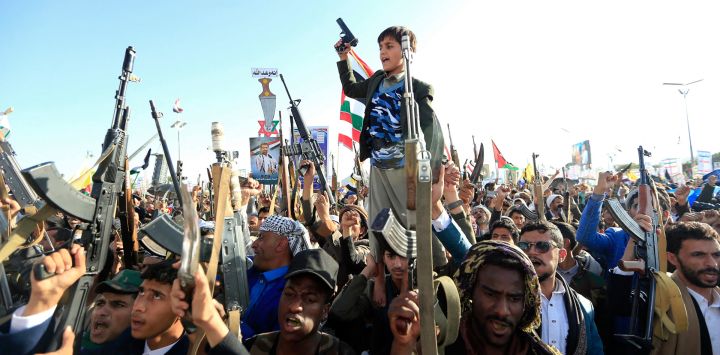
pixel 297 235
pixel 466 277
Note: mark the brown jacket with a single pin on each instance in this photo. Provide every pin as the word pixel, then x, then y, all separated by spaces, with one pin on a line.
pixel 684 343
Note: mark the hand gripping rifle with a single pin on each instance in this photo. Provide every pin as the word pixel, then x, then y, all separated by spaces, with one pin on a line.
pixel 538 191
pixel 453 151
pixel 309 148
pixel 648 263
pixel 99 210
pixel 419 183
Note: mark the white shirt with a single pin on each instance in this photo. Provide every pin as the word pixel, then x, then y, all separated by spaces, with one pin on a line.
pixel 160 351
pixel 554 318
pixel 20 322
pixel 711 313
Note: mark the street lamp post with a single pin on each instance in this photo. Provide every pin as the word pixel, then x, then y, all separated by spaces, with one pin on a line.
pixel 179 125
pixel 684 91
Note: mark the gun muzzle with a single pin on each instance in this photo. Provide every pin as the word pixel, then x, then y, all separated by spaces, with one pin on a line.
pixel 129 59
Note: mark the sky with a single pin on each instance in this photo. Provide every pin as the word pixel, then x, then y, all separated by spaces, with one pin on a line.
pixel 532 76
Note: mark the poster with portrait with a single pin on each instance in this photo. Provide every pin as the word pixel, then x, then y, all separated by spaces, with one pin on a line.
pixel 320 134
pixel 265 159
pixel 704 162
pixel 581 154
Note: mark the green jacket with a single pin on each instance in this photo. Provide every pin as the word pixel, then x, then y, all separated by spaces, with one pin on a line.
pixel 364 90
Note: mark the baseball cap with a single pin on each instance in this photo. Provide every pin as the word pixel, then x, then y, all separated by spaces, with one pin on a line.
pixel 126 281
pixel 316 262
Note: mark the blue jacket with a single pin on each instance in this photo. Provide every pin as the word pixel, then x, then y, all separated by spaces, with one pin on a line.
pixel 24 341
pixel 607 247
pixel 454 240
pixel 265 291
pixel 594 343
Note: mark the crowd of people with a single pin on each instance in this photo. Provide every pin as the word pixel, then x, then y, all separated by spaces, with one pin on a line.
pixel 323 282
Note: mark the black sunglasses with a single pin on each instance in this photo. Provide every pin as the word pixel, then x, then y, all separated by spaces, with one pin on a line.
pixel 542 247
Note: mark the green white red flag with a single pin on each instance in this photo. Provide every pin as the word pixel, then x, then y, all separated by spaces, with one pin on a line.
pixel 500 159
pixel 352 111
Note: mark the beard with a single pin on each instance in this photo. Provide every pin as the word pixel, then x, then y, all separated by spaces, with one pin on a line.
pixel 543 277
pixel 693 276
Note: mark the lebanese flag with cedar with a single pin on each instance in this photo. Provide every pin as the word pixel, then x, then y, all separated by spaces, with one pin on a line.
pixel 352 111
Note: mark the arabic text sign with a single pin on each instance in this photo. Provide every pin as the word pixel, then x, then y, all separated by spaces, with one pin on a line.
pixel 264 72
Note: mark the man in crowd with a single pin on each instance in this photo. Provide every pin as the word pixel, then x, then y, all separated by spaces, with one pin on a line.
pixel 280 238
pixel 500 305
pixel 567 317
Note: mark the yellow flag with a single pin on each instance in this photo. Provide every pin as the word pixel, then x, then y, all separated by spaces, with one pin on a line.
pixel 529 174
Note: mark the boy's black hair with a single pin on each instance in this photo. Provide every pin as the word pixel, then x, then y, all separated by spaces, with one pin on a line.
pixel 507 223
pixel 544 227
pixel 162 272
pixel 397 32
pixel 263 210
pixel 568 232
pixel 677 233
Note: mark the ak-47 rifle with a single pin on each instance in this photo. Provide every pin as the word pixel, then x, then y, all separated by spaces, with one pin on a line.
pixel 648 263
pixel 128 229
pixel 538 191
pixel 99 210
pixel 419 183
pixel 309 148
pixel 358 170
pixel 284 173
pixel 567 197
pixel 334 178
pixel 453 151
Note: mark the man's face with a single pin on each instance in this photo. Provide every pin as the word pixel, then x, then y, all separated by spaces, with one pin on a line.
pixel 261 217
pixel 267 247
pixel 303 306
pixel 397 265
pixel 498 304
pixel 253 223
pixel 110 316
pixel 545 263
pixel 481 217
pixel 264 148
pixel 607 218
pixel 391 55
pixel 555 204
pixel 502 234
pixel 149 206
pixel 518 219
pixel 698 262
pixel 151 312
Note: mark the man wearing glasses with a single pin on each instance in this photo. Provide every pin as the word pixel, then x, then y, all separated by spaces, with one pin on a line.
pixel 567 317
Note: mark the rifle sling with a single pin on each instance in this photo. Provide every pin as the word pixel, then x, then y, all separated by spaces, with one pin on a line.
pixel 26 226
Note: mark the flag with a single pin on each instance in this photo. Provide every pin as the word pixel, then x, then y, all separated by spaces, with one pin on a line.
pixel 500 159
pixel 351 110
pixel 176 107
pixel 5 124
pixel 529 173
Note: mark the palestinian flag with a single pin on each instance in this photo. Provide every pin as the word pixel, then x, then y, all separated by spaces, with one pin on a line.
pixel 500 159
pixel 351 110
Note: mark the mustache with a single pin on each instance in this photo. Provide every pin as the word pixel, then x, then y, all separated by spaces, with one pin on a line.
pixel 507 321
pixel 711 270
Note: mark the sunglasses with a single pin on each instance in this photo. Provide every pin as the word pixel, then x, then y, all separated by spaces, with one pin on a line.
pixel 542 247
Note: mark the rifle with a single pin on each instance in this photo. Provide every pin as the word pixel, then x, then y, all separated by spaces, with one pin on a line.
pixel 309 148
pixel 361 175
pixel 419 181
pixel 128 230
pixel 284 175
pixel 567 198
pixel 334 178
pixel 174 176
pixel 453 151
pixel 538 191
pixel 646 250
pixel 99 210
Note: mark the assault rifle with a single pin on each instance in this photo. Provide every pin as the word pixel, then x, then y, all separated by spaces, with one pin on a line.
pixel 99 210
pixel 309 148
pixel 358 170
pixel 538 191
pixel 453 151
pixel 418 173
pixel 646 251
pixel 476 176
